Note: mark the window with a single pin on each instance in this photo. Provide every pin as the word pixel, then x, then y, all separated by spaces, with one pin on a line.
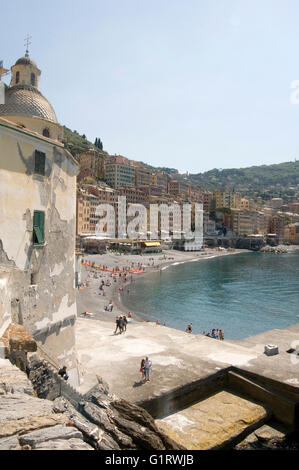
pixel 46 132
pixel 33 279
pixel 17 77
pixel 38 228
pixel 32 79
pixel 39 162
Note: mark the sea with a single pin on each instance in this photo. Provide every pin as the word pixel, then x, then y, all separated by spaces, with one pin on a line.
pixel 242 294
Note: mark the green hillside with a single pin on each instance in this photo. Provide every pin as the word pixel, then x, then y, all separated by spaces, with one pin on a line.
pixel 266 180
pixel 76 143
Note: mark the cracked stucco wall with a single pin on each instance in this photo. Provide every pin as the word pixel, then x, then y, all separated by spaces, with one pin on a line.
pixel 37 283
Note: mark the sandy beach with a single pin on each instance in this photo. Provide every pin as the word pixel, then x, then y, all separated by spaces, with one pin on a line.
pixel 88 298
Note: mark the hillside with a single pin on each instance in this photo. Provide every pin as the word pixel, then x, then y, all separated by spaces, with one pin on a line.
pixel 76 143
pixel 266 180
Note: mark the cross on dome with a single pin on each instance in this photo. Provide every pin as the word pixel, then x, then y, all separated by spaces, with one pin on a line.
pixel 27 42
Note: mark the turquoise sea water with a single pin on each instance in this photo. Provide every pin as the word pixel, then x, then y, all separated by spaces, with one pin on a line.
pixel 243 294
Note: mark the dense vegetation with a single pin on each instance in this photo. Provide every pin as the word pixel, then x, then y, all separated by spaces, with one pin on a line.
pixel 280 180
pixel 76 143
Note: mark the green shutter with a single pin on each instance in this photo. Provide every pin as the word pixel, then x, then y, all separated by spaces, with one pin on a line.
pixel 39 227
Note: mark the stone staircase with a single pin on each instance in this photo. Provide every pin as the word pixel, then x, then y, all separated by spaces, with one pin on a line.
pixel 61 387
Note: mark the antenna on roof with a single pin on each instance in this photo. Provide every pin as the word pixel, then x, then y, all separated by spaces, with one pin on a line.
pixel 27 42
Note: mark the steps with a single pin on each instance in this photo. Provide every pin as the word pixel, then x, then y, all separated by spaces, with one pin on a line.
pixel 284 409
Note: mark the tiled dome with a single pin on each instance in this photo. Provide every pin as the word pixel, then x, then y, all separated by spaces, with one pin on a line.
pixel 26 100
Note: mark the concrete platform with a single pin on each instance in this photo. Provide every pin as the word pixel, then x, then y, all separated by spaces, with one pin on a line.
pixel 178 358
pixel 283 367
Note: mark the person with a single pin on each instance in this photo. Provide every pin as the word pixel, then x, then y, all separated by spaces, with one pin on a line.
pixel 117 322
pixel 142 365
pixel 88 314
pixel 121 324
pixel 130 318
pixel 147 366
pixel 62 372
pixel 125 322
pixel 189 328
pixel 221 335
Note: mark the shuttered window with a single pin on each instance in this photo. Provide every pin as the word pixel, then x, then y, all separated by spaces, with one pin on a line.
pixel 39 162
pixel 38 228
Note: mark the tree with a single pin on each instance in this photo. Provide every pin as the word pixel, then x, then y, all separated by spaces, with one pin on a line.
pixel 98 143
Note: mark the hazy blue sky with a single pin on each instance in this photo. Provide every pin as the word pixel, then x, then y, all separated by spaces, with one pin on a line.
pixel 190 84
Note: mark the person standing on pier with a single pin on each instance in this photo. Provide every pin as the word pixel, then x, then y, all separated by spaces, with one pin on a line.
pixel 147 366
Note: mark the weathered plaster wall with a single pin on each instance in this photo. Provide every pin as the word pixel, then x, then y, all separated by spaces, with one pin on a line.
pixel 37 283
pixel 37 125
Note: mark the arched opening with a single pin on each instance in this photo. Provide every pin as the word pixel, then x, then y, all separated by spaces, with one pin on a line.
pixel 17 77
pixel 32 79
pixel 46 132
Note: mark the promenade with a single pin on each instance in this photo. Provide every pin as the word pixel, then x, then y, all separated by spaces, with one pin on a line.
pixel 178 358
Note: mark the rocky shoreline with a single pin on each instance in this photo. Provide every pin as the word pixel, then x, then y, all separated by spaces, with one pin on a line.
pixel 29 420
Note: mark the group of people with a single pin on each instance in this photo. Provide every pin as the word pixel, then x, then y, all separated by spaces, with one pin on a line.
pixel 109 308
pixel 145 367
pixel 216 334
pixel 121 324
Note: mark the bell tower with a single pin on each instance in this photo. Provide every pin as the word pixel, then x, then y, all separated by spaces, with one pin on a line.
pixel 25 70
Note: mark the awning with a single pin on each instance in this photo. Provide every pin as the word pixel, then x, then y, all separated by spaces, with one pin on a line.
pixel 152 243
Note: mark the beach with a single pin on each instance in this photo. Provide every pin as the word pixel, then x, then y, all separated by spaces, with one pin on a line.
pixel 182 363
pixel 88 298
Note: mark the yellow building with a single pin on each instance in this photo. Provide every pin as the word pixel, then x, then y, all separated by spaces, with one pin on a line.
pixel 291 233
pixel 227 199
pixel 94 161
pixel 143 176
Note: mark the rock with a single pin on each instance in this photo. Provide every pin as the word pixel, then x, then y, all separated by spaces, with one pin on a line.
pixel 10 443
pixel 13 380
pixel 17 406
pixel 19 339
pixel 60 431
pixel 106 442
pixel 60 444
pixel 101 421
pixel 265 433
pixel 91 432
pixel 101 417
pixel 141 427
pixel 32 423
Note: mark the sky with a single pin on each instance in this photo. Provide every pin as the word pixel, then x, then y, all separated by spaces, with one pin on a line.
pixel 187 84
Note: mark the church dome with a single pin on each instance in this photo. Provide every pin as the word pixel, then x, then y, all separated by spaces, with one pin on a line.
pixel 27 100
pixel 25 61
